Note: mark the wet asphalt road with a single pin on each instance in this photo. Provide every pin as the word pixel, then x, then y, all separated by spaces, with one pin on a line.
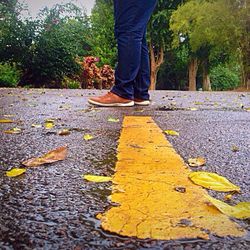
pixel 52 207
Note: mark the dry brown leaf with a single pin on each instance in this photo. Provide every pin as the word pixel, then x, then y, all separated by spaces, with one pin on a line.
pixel 235 148
pixel 64 132
pixel 196 162
pixel 55 155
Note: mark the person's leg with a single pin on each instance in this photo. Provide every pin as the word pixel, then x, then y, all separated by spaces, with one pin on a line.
pixel 142 81
pixel 131 18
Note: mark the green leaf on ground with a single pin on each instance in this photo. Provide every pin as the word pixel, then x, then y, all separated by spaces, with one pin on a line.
pixel 196 162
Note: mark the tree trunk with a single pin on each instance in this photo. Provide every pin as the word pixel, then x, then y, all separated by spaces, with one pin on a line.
pixel 245 55
pixel 206 83
pixel 192 73
pixel 153 78
pixel 245 69
pixel 156 61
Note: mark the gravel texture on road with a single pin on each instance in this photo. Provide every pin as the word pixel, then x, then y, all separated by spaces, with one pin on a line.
pixel 52 207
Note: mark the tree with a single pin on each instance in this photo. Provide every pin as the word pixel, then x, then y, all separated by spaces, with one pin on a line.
pixel 60 39
pixel 159 35
pixel 102 40
pixel 209 26
pixel 173 72
pixel 15 34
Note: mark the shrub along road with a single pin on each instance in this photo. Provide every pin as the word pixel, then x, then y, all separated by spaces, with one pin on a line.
pixel 51 206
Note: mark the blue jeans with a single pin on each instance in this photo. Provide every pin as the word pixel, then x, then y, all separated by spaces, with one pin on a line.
pixel 132 74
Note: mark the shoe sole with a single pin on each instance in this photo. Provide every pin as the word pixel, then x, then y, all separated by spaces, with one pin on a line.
pixel 128 104
pixel 143 103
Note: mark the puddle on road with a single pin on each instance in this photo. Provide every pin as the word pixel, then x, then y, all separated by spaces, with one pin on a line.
pixel 108 162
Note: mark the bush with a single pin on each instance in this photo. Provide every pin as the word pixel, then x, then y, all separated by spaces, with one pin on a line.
pixel 9 75
pixel 224 78
pixel 95 77
pixel 70 83
pixel 59 40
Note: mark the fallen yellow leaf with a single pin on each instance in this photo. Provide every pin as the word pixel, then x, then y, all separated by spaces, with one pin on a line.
pixel 88 137
pixel 213 181
pixel 13 131
pixel 239 211
pixel 15 172
pixel 97 178
pixel 113 119
pixel 196 162
pixel 171 132
pixel 49 124
pixel 6 121
pixel 193 109
pixel 228 197
pixel 55 155
pixel 139 110
pixel 198 103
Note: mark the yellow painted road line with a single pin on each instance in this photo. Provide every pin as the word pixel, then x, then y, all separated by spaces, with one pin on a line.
pixel 156 199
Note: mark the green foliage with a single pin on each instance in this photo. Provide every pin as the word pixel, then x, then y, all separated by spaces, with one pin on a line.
pixel 71 83
pixel 224 77
pixel 47 49
pixel 173 73
pixel 159 33
pixel 9 75
pixel 60 40
pixel 212 26
pixel 102 40
pixel 205 23
pixel 16 35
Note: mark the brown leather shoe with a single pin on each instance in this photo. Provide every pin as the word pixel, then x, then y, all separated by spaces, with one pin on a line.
pixel 111 100
pixel 141 102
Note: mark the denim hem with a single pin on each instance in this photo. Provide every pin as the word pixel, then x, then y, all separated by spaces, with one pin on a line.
pixel 117 93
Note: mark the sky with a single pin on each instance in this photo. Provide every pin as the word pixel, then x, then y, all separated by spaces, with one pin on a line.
pixel 35 5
